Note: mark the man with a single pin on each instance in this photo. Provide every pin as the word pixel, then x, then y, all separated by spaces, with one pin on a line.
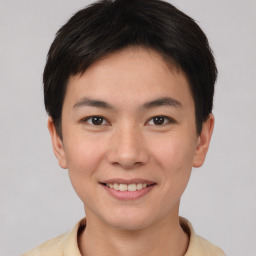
pixel 129 89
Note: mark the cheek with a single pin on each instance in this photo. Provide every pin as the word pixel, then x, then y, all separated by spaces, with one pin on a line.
pixel 175 153
pixel 83 158
pixel 83 153
pixel 175 157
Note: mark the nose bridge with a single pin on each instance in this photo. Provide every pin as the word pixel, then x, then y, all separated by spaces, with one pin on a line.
pixel 127 147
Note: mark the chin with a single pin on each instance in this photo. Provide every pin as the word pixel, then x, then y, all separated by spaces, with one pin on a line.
pixel 129 225
pixel 130 221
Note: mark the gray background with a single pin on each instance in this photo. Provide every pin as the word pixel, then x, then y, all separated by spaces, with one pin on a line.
pixel 37 201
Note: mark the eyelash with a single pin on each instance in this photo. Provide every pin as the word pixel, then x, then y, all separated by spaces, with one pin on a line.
pixel 86 120
pixel 167 120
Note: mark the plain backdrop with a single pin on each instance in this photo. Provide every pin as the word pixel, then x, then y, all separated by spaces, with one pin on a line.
pixel 37 201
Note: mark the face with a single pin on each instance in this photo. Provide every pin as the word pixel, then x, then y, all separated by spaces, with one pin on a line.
pixel 129 138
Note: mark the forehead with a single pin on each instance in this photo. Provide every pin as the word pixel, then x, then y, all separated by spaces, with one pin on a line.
pixel 135 73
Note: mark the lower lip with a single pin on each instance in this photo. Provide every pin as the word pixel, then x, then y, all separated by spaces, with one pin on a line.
pixel 128 195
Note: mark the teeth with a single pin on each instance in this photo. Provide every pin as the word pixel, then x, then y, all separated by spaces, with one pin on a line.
pixel 131 187
pixel 140 186
pixel 125 187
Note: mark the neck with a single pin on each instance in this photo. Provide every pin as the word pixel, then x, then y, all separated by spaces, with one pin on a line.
pixel 164 238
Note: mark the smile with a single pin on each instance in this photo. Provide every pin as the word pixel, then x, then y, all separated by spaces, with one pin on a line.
pixel 127 187
pixel 124 190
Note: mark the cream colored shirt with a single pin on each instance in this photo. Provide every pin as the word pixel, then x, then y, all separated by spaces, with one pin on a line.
pixel 66 244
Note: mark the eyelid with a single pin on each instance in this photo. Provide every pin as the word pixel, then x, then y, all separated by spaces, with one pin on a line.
pixel 85 120
pixel 169 120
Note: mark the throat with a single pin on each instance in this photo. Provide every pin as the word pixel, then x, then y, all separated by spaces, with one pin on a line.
pixel 131 243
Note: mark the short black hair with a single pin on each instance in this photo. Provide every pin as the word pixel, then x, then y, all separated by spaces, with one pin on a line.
pixel 110 25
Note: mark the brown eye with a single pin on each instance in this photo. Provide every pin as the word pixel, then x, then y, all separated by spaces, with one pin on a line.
pixel 96 120
pixel 160 120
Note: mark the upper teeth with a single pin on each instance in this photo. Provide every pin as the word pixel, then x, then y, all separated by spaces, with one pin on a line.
pixel 127 187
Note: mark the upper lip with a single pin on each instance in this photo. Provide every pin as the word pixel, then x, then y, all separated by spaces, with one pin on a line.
pixel 127 181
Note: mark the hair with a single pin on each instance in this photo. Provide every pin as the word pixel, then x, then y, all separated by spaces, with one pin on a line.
pixel 107 26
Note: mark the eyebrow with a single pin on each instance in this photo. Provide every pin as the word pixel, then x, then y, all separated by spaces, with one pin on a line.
pixel 87 102
pixel 166 101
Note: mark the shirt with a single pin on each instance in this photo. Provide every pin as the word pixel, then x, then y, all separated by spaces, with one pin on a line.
pixel 67 245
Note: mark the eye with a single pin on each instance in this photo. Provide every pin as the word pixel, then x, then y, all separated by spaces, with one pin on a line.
pixel 160 120
pixel 95 120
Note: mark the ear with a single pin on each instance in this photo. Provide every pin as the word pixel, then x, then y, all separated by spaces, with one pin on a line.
pixel 203 141
pixel 57 144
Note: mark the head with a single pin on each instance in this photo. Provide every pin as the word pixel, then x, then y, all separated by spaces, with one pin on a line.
pixel 129 88
pixel 108 26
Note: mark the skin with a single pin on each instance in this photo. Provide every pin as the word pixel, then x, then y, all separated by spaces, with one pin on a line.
pixel 129 145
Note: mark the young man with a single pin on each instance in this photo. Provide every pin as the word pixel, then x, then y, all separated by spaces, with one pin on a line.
pixel 129 88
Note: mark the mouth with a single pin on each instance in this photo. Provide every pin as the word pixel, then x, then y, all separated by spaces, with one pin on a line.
pixel 132 187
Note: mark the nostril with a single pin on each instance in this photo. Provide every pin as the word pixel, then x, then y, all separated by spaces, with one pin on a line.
pixel 127 151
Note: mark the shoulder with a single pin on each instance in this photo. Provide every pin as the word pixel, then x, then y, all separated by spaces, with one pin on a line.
pixel 63 245
pixel 204 247
pixel 199 246
pixel 51 247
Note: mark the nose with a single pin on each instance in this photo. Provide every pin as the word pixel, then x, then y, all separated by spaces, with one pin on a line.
pixel 127 148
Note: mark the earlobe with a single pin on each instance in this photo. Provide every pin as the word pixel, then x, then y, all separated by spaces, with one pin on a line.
pixel 57 144
pixel 203 141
